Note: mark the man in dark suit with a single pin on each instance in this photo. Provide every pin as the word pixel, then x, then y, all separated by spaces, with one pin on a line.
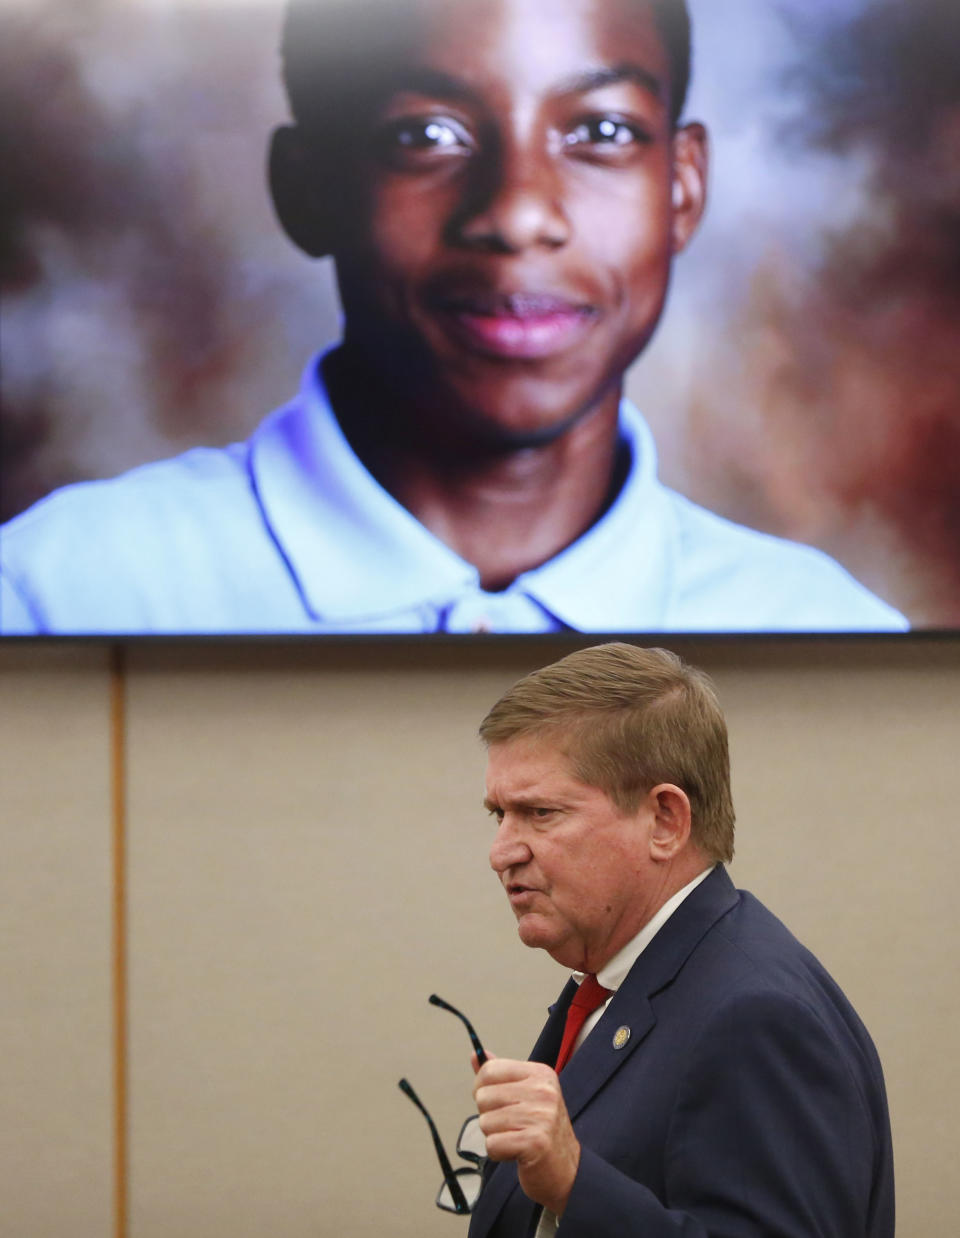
pixel 723 1086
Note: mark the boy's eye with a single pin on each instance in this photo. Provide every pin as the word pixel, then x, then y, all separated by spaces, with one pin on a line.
pixel 605 132
pixel 413 139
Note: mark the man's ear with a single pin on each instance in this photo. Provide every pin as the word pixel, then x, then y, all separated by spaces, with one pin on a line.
pixel 671 821
pixel 303 209
pixel 691 158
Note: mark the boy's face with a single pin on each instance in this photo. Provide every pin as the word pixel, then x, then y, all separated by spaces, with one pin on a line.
pixel 515 200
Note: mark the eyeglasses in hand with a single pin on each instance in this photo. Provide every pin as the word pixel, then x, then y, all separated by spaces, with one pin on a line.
pixel 461 1186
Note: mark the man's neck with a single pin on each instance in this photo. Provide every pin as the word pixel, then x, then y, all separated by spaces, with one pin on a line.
pixel 612 973
pixel 676 875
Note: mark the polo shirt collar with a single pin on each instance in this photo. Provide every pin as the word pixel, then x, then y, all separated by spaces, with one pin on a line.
pixel 359 555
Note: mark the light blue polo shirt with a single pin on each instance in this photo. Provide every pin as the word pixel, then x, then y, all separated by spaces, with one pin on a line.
pixel 289 533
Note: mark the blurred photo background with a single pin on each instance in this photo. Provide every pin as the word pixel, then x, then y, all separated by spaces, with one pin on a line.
pixel 805 379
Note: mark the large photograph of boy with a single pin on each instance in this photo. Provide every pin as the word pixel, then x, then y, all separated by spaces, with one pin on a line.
pixel 498 196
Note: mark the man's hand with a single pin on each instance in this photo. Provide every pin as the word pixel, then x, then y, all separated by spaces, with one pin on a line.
pixel 524 1119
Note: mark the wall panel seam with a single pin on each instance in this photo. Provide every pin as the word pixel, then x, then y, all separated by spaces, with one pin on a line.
pixel 118 798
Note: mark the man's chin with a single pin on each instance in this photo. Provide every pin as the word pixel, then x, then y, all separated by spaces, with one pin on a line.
pixel 537 933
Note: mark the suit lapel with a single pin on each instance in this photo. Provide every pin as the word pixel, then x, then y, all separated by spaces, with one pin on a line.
pixel 598 1058
pixel 548 1042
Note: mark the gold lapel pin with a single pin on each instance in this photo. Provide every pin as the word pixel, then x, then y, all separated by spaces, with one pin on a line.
pixel 620 1037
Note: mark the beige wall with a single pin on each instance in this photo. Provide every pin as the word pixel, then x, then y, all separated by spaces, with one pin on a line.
pixel 308 817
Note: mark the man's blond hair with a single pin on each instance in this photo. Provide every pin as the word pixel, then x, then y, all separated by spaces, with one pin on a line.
pixel 627 719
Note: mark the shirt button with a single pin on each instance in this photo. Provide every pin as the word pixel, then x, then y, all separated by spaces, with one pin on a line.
pixel 472 614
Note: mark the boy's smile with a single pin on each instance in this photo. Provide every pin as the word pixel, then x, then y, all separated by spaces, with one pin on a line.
pixel 515 198
pixel 528 324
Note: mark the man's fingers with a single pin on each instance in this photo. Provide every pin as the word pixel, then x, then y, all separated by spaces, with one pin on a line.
pixel 524 1119
pixel 506 1070
pixel 525 1147
pixel 525 1098
pixel 502 1081
pixel 532 1094
pixel 475 1061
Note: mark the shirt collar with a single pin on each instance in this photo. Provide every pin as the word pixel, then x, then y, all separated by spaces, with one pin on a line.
pixel 356 551
pixel 613 974
pixel 359 554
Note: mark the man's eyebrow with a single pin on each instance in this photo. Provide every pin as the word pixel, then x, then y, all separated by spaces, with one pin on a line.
pixel 613 75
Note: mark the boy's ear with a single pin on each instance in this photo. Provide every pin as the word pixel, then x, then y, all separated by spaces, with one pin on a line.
pixel 302 207
pixel 691 159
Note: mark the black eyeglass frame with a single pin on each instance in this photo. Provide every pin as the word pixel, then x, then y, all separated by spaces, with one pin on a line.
pixel 475 1158
pixel 451 1176
pixel 474 1038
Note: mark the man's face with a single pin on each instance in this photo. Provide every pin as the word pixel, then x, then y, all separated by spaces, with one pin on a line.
pixel 577 870
pixel 515 201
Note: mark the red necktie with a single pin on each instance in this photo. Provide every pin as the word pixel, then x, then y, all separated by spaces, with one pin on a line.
pixel 589 996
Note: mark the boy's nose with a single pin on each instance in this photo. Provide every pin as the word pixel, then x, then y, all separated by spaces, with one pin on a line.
pixel 515 207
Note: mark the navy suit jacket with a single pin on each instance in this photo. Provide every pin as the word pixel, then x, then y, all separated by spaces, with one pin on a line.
pixel 748 1099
